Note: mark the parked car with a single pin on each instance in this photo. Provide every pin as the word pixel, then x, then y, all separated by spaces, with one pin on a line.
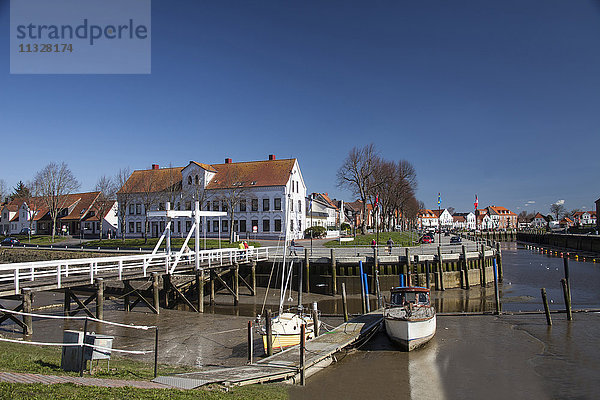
pixel 455 239
pixel 426 239
pixel 27 231
pixel 11 241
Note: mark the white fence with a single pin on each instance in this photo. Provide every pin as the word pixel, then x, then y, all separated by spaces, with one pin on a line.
pixel 54 272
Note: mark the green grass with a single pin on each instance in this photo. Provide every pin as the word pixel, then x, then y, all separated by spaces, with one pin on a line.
pixel 71 391
pixel 37 239
pixel 46 360
pixel 399 238
pixel 176 243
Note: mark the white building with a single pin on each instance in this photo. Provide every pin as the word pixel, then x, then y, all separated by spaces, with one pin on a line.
pixel 444 218
pixel 267 198
pixel 464 221
pixel 322 211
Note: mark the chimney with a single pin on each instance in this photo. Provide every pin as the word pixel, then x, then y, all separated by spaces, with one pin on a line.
pixel 155 166
pixel 228 161
pixel 271 157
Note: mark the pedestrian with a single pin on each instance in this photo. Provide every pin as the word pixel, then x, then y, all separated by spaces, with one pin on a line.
pixel 373 244
pixel 293 247
pixel 390 244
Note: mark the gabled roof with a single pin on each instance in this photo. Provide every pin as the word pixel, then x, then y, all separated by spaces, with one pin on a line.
pixel 13 205
pixel 324 198
pixel 95 214
pixel 252 174
pixel 501 210
pixel 152 180
pixel 459 218
pixel 81 203
pixel 204 166
pixel 426 214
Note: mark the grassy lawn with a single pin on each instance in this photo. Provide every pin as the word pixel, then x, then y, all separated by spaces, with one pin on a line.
pixel 399 238
pixel 37 239
pixel 46 360
pixel 176 243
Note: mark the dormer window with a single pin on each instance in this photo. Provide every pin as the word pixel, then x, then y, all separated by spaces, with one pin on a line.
pixel 189 180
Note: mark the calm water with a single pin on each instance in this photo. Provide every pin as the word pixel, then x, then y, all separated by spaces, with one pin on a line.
pixel 486 356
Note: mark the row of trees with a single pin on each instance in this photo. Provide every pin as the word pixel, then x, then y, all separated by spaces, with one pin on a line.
pixel 392 183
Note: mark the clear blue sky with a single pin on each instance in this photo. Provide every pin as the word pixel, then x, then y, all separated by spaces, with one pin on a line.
pixel 498 98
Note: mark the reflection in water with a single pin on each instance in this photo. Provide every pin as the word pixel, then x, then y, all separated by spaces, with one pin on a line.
pixel 424 374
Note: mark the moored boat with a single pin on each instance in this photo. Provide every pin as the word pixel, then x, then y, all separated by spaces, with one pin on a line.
pixel 286 330
pixel 410 318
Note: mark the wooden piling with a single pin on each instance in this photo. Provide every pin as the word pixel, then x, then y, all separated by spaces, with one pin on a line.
pixel 499 262
pixel 496 291
pixel 333 273
pixel 269 329
pixel 566 267
pixel 466 267
pixel 27 308
pixel 315 318
pixel 306 271
pixel 156 292
pixel 67 303
pixel 200 291
pixel 440 270
pixel 344 302
pixel 567 299
pixel 212 288
pixel 126 297
pixel 302 355
pixel 250 343
pixel 483 265
pixel 99 298
pixel 427 278
pixel 166 289
pixel 546 308
pixel 236 284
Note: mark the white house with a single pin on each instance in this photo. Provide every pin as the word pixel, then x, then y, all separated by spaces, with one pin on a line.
pixel 539 221
pixel 585 218
pixel 321 211
pixel 268 198
pixel 427 219
pixel 464 221
pixel 444 218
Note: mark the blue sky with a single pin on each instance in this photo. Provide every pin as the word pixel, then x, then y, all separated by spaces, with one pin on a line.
pixel 501 99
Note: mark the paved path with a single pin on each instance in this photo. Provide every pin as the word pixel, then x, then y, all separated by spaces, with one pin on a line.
pixel 17 377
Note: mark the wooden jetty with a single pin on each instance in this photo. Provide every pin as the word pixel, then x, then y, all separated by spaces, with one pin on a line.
pixel 284 366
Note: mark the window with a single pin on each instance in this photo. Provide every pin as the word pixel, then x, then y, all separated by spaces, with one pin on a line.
pixel 216 207
pixel 138 227
pixel 189 180
pixel 188 205
pixel 138 208
pixel 179 226
pixel 161 206
pixel 196 180
pixel 178 206
pixel 277 225
pixel 242 224
pixel 254 224
pixel 131 209
pixel 265 204
pixel 215 226
pixel 299 224
pixel 132 227
pixel 208 206
pixel 277 203
pixel 243 205
pixel 207 226
pixel 292 186
pixel 225 225
pixel 224 206
pixel 291 205
pixel 188 226
pixel 299 205
pixel 254 204
pixel 266 225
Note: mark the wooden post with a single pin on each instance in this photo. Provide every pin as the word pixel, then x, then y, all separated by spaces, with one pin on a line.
pixel 483 263
pixel 440 269
pixel 166 288
pixel 253 277
pixel 269 329
pixel 156 292
pixel 27 308
pixel 250 343
pixel 546 309
pixel 236 284
pixel 67 306
pixel 315 317
pixel 212 288
pixel 499 262
pixel 126 302
pixel 306 271
pixel 99 298
pixel 466 267
pixel 566 266
pixel 200 289
pixel 156 351
pixel 344 302
pixel 496 291
pixel 567 299
pixel 408 267
pixel 362 288
pixel 333 273
pixel 82 359
pixel 302 348
pixel 378 291
pixel 427 277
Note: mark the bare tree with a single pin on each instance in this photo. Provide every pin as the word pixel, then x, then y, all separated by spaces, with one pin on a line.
pixel 56 183
pixel 3 191
pixel 124 197
pixel 106 199
pixel 34 202
pixel 149 195
pixel 451 210
pixel 355 175
pixel 234 189
pixel 557 210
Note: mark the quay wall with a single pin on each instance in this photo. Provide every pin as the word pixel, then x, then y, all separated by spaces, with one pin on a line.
pixel 589 243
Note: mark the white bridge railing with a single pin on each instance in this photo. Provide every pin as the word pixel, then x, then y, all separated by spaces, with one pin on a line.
pixel 55 271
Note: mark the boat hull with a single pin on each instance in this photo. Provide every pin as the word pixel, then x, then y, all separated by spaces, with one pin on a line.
pixel 410 334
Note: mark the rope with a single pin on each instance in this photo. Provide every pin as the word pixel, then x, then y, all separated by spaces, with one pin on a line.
pixel 78 345
pixel 143 327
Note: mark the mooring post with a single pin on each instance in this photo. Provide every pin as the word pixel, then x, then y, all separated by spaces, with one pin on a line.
pixel 99 298
pixel 427 278
pixel 566 266
pixel 166 288
pixel 440 269
pixel 300 281
pixel 333 273
pixel 126 304
pixel 156 292
pixel 200 291
pixel 466 267
pixel 212 288
pixel 496 291
pixel 344 302
pixel 27 308
pixel 563 282
pixel 483 264
pixel 253 277
pixel 67 306
pixel 499 261
pixel 546 308
pixel 378 291
pixel 269 329
pixel 408 267
pixel 250 343
pixel 302 347
pixel 362 287
pixel 82 361
pixel 306 271
pixel 315 318
pixel 236 284
pixel 156 352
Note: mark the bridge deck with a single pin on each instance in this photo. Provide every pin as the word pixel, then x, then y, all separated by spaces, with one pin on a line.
pixel 283 365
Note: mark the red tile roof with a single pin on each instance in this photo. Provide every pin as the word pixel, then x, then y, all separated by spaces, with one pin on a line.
pixel 152 180
pixel 252 174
